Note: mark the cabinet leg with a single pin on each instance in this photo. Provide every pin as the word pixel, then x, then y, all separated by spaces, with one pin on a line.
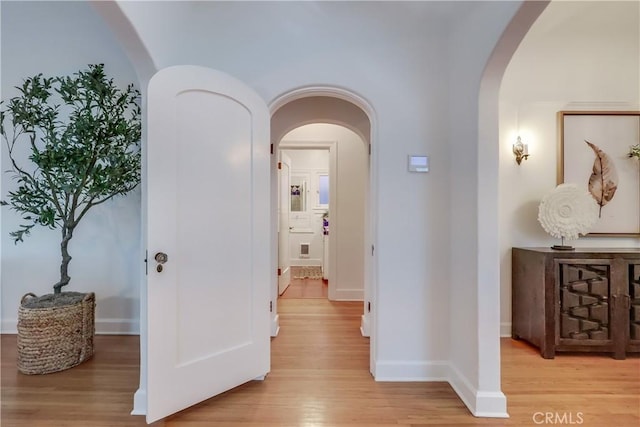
pixel 548 353
pixel 619 355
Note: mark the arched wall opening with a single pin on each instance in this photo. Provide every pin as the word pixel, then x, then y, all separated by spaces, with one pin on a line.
pixel 487 402
pixel 338 107
pixel 344 160
pixel 319 109
pixel 533 92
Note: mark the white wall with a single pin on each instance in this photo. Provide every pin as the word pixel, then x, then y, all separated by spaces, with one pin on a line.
pixel 347 217
pixel 307 224
pixel 59 39
pixel 577 56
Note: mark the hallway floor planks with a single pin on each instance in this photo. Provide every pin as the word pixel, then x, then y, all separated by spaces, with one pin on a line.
pixel 306 288
pixel 320 377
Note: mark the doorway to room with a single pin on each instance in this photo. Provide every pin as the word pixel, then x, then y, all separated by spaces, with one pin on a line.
pixel 303 214
pixel 305 119
pixel 323 172
pixel 322 212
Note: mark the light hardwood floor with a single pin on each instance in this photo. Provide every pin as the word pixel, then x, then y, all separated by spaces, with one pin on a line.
pixel 306 288
pixel 320 377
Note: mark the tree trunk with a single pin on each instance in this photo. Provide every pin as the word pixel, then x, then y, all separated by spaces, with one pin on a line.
pixel 67 234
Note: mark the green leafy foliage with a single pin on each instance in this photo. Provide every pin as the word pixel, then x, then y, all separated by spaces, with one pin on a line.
pixel 82 134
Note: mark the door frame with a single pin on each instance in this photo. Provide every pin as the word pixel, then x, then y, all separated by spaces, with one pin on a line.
pixel 283 274
pixel 368 326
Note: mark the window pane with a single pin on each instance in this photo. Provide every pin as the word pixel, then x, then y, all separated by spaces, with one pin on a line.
pixel 323 189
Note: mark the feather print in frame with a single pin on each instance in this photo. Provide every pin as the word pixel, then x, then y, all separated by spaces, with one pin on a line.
pixel 603 181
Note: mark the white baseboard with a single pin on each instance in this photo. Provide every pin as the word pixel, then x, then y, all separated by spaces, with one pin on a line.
pixel 491 404
pixel 103 326
pixel 117 327
pixel 505 330
pixel 465 391
pixel 305 262
pixel 284 280
pixel 486 404
pixel 280 292
pixel 480 403
pixel 275 325
pixel 411 370
pixel 349 295
pixel 364 326
pixel 9 326
pixel 140 402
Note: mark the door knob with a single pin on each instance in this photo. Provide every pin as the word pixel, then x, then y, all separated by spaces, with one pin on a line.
pixel 160 258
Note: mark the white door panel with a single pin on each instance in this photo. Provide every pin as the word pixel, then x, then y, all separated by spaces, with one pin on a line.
pixel 208 210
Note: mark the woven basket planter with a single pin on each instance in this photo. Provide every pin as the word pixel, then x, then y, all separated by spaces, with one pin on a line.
pixel 55 332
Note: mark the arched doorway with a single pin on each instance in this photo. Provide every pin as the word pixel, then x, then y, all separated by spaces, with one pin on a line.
pixel 338 107
pixel 487 402
pixel 341 156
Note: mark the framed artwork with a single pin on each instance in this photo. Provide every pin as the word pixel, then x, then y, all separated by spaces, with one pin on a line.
pixel 593 152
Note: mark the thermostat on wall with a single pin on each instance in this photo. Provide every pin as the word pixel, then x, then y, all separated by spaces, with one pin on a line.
pixel 418 163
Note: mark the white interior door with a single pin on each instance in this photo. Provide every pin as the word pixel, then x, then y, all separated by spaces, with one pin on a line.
pixel 284 207
pixel 208 173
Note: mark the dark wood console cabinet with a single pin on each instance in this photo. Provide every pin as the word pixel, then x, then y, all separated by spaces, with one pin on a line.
pixel 579 300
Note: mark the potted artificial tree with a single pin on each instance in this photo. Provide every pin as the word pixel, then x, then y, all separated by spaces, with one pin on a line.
pixel 73 143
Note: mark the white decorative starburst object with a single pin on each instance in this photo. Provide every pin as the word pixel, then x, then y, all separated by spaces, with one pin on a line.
pixel 567 212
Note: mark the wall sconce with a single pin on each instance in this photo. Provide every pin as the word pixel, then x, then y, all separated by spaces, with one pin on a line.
pixel 520 150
